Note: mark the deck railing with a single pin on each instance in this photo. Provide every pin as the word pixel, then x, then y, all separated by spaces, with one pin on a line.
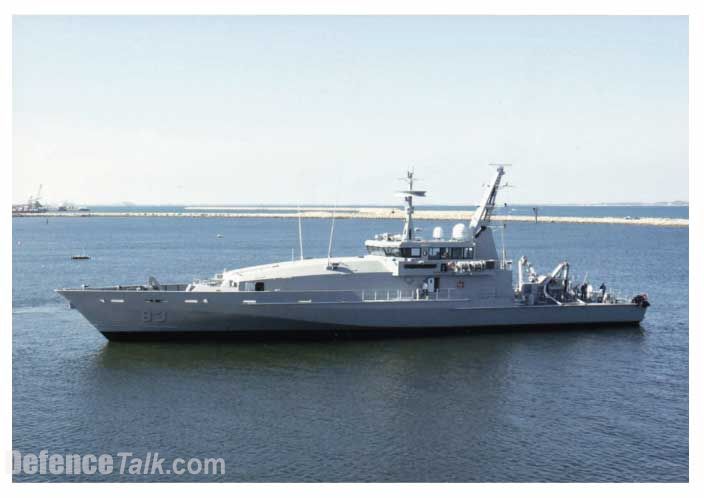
pixel 406 295
pixel 618 296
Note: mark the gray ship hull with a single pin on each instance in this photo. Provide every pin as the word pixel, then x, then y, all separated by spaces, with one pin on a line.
pixel 157 315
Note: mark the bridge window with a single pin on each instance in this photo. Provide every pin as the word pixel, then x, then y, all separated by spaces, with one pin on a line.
pixel 259 286
pixel 410 252
pixel 449 252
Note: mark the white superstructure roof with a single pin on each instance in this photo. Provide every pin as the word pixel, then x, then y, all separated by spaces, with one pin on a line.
pixel 313 267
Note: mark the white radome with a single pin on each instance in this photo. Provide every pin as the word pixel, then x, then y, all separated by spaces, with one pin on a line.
pixel 459 232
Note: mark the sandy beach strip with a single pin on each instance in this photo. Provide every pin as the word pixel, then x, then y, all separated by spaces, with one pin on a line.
pixel 362 213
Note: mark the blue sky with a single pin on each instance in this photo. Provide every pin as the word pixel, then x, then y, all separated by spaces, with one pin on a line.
pixel 324 109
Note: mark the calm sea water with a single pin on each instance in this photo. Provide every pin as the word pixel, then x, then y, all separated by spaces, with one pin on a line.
pixel 575 405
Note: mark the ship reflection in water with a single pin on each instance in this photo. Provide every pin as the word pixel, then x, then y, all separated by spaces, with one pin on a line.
pixel 435 409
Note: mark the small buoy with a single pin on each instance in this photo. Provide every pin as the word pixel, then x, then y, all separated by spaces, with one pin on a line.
pixel 219 236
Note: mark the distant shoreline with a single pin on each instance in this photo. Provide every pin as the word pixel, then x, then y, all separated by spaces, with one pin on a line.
pixel 366 213
pixel 325 205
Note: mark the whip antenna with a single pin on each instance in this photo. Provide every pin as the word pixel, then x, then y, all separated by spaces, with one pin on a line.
pixel 300 232
pixel 332 231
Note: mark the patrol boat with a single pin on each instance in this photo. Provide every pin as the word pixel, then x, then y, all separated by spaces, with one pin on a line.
pixel 404 284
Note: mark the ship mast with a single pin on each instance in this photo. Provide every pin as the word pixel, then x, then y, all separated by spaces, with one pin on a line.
pixel 482 215
pixel 408 197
